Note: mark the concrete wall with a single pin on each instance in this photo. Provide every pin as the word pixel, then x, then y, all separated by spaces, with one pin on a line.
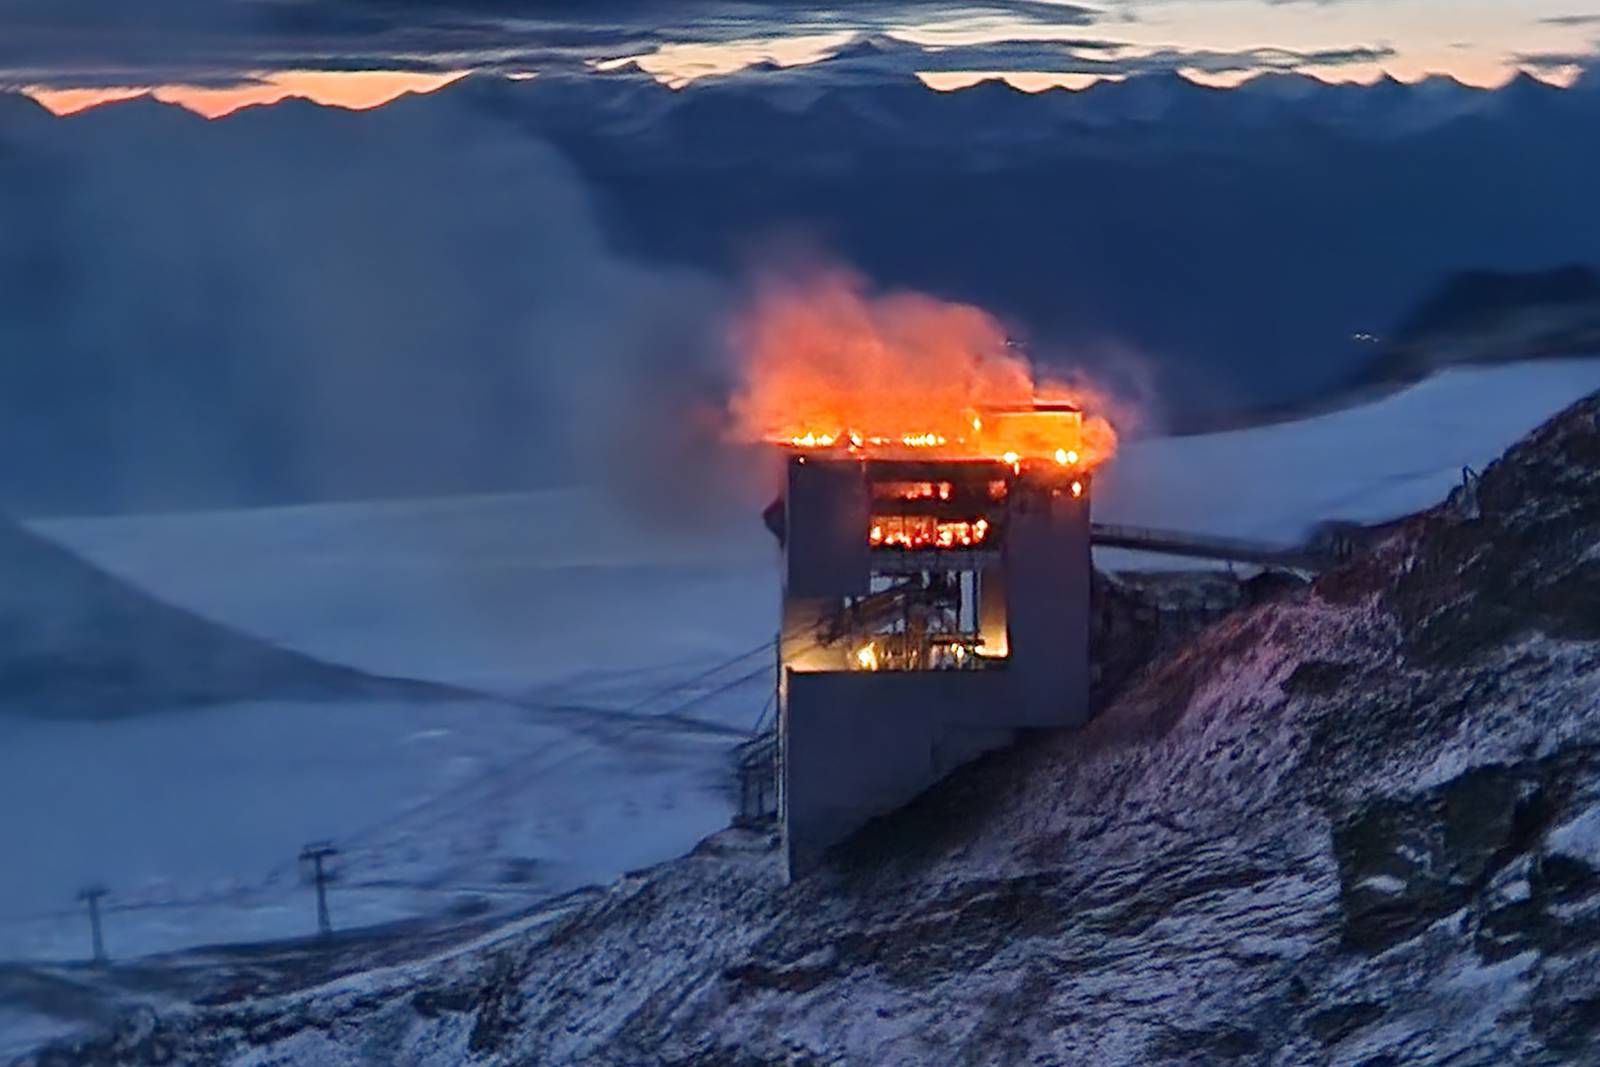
pixel 1049 574
pixel 828 508
pixel 860 744
pixel 857 744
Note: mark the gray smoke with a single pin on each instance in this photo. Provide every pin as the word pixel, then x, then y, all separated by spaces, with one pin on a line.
pixel 299 303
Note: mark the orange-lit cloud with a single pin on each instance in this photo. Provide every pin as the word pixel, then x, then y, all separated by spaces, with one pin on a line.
pixel 71 101
pixel 1031 44
pixel 1034 81
pixel 1485 77
pixel 1227 79
pixel 357 90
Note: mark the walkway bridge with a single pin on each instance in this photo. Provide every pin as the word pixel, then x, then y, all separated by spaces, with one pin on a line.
pixel 1329 549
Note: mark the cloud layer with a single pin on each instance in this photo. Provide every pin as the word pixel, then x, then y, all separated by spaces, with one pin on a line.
pixel 91 44
pixel 312 304
pixel 881 56
pixel 209 42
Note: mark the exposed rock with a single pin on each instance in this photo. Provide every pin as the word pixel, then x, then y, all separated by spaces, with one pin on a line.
pixel 1138 616
pixel 1406 863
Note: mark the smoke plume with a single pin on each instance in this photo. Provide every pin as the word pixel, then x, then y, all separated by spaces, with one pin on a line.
pixel 299 303
pixel 821 353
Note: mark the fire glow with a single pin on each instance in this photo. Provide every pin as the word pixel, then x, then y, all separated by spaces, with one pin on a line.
pixel 828 365
pixel 926 531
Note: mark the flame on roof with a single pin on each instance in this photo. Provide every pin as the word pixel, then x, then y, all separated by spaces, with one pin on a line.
pixel 829 366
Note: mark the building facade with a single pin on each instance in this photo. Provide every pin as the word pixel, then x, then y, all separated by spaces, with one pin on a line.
pixel 932 607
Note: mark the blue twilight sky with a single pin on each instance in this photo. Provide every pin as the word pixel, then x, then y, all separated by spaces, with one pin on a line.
pixel 219 54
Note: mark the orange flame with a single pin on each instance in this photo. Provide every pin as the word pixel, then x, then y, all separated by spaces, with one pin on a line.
pixel 925 531
pixel 829 365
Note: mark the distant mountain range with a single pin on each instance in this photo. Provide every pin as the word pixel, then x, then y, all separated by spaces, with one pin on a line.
pixel 820 109
pixel 300 302
pixel 1474 317
pixel 1482 316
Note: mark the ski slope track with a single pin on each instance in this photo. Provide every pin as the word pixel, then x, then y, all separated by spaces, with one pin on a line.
pixel 1359 824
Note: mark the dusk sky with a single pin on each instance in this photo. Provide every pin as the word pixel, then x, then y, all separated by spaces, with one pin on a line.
pixel 217 55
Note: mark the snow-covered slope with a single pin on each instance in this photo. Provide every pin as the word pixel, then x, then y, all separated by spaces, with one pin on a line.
pixel 1352 826
pixel 599 635
pixel 567 602
pixel 1367 463
pixel 193 820
pixel 507 593
pixel 76 641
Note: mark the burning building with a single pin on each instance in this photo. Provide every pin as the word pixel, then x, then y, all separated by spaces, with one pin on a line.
pixel 935 526
pixel 935 601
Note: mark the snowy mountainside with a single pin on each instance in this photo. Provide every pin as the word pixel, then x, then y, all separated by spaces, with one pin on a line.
pixel 193 821
pixel 1354 825
pixel 1368 462
pixel 569 613
pixel 546 757
pixel 81 642
pixel 558 591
